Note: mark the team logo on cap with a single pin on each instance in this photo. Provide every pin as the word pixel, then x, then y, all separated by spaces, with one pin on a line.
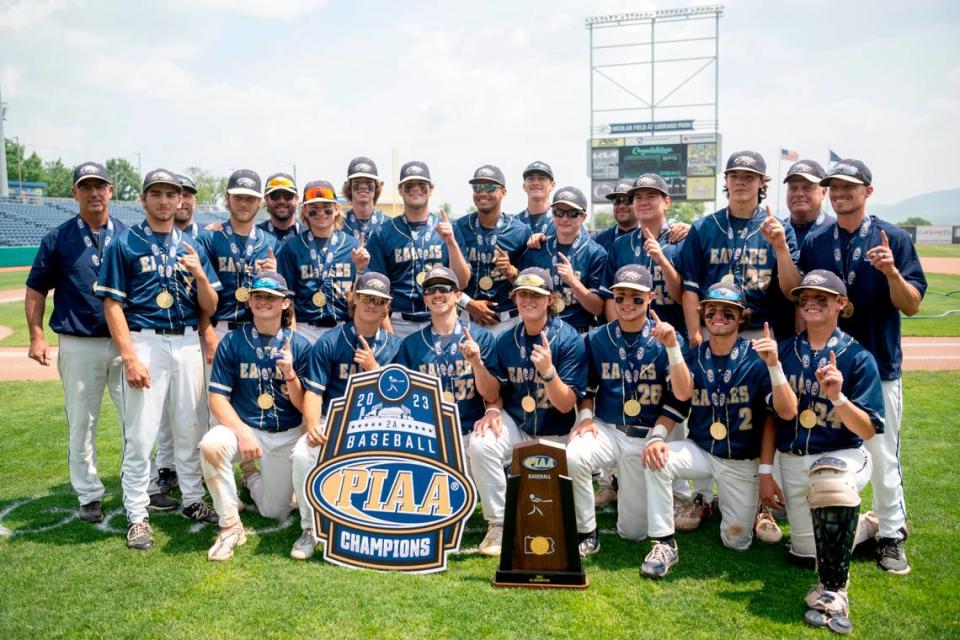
pixel 485 171
pixel 802 167
pixel 646 180
pixel 529 280
pixel 414 170
pixel 566 195
pixel 246 182
pixel 362 166
pixel 622 187
pixel 87 169
pixel 162 175
pixel 745 161
pixel 844 168
pixel 376 284
pixel 632 276
pixel 815 278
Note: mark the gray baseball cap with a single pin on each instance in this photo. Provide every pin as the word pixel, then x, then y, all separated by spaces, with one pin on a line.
pixel 489 173
pixel 853 171
pixel 746 161
pixel 415 170
pixel 571 196
pixel 362 167
pixel 622 190
pixel 650 181
pixel 245 182
pixel 372 283
pixel 809 170
pixel 633 276
pixel 538 166
pixel 90 171
pixel 161 176
pixel 440 275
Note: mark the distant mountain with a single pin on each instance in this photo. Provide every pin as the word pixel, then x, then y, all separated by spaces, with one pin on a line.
pixel 939 207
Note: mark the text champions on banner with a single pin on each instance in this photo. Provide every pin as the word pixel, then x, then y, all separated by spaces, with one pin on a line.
pixel 390 489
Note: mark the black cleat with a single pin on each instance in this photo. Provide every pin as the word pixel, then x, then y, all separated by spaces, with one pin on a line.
pixel 201 512
pixel 162 502
pixel 91 512
pixel 167 480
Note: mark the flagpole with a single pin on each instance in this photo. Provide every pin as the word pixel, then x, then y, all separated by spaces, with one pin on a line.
pixel 779 168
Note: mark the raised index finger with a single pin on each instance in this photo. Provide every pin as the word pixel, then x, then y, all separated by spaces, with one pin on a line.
pixel 363 342
pixel 362 238
pixel 189 249
pixel 654 317
pixel 766 330
pixel 884 240
pixel 543 338
pixel 833 359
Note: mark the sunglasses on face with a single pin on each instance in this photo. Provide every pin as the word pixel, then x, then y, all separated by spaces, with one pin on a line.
pixel 439 288
pixel 313 213
pixel 566 213
pixel 725 314
pixel 636 299
pixel 485 187
pixel 408 187
pixel 326 193
pixel 374 300
pixel 282 195
pixel 622 202
pixel 817 300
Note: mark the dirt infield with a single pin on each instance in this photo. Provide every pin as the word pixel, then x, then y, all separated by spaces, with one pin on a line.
pixel 949 266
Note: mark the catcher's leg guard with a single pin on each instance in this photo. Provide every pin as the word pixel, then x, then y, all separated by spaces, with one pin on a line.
pixel 834 508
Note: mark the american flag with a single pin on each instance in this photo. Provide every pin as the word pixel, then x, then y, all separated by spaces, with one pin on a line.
pixel 789 154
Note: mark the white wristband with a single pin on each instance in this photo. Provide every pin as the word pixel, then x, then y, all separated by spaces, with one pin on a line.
pixel 840 401
pixel 660 431
pixel 674 355
pixel 584 414
pixel 776 375
pixel 464 300
pixel 494 409
pixel 765 469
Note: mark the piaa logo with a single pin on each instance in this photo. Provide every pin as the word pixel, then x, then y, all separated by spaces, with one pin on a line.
pixel 539 463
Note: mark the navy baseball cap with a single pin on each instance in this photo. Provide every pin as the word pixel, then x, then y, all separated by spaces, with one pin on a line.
pixel 319 191
pixel 161 176
pixel 633 276
pixel 245 182
pixel 809 170
pixel 415 170
pixel 372 283
pixel 746 161
pixel 570 196
pixel 281 182
pixel 489 173
pixel 90 171
pixel 821 280
pixel 270 282
pixel 361 167
pixel 849 171
pixel 622 190
pixel 538 166
pixel 441 275
pixel 650 181
pixel 533 279
pixel 187 183
pixel 726 293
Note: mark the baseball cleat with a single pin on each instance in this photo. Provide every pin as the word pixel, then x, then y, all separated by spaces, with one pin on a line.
pixel 604 496
pixel 227 541
pixel 493 541
pixel 831 609
pixel 167 480
pixel 162 502
pixel 91 512
pixel 201 512
pixel 139 535
pixel 590 543
pixel 688 514
pixel 658 562
pixel 305 546
pixel 891 557
pixel 765 528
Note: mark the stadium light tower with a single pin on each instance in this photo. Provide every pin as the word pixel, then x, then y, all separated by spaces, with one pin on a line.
pixel 4 187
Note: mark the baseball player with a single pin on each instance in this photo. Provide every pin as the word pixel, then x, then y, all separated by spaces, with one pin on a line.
pixel 362 190
pixel 637 378
pixel 457 352
pixel 537 184
pixel 68 261
pixel 319 264
pixel 154 285
pixel 183 218
pixel 734 383
pixel 492 244
pixel 359 345
pixel 539 365
pixel 280 196
pixel 883 276
pixel 255 398
pixel 408 246
pixel 237 250
pixel 823 463
pixel 574 260
pixel 623 216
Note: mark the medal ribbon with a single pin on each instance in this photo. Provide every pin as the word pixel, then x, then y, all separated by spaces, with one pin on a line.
pixel 323 263
pixel 737 252
pixel 419 240
pixel 99 240
pixel 553 248
pixel 241 257
pixel 856 250
pixel 717 382
pixel 631 355
pixel 639 250
pixel 529 373
pixel 359 226
pixel 266 362
pixel 447 355
pixel 810 360
pixel 485 260
pixel 168 249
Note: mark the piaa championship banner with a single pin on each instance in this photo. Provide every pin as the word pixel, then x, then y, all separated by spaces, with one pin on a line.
pixel 390 489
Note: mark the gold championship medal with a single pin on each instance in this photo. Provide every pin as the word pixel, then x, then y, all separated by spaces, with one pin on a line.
pixel 632 407
pixel 529 404
pixel 718 430
pixel 486 283
pixel 164 299
pixel 421 277
pixel 728 279
pixel 448 397
pixel 320 299
pixel 808 419
pixel 242 294
pixel 265 401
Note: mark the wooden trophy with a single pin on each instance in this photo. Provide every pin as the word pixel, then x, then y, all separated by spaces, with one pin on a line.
pixel 540 547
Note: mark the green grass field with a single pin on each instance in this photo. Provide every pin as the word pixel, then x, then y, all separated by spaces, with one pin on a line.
pixel 65 578
pixel 936 302
pixel 12 279
pixel 938 250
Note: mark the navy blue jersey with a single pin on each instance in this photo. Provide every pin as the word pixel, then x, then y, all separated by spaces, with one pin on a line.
pixel 519 378
pixel 68 261
pixel 244 369
pixel 624 366
pixel 139 266
pixel 234 257
pixel 191 231
pixel 876 321
pixel 440 356
pixel 319 265
pixel 477 244
pixel 281 235
pixel 331 359
pixel 861 386
pixel 355 226
pixel 801 230
pixel 539 222
pixel 588 260
pixel 606 237
pixel 739 401
pixel 401 252
pixel 720 244
pixel 628 249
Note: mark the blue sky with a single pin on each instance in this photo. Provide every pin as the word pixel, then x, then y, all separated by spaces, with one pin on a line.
pixel 224 84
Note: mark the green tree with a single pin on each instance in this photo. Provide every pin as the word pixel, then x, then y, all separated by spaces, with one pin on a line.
pixel 126 180
pixel 915 221
pixel 602 219
pixel 59 179
pixel 20 166
pixel 210 188
pixel 685 211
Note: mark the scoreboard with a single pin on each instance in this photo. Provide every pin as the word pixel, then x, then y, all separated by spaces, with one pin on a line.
pixel 688 163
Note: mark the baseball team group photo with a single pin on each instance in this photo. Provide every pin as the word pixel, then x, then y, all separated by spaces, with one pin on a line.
pixel 455 384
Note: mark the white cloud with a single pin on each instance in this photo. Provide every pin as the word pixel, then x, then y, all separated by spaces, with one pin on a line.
pixel 273 9
pixel 10 81
pixel 26 13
